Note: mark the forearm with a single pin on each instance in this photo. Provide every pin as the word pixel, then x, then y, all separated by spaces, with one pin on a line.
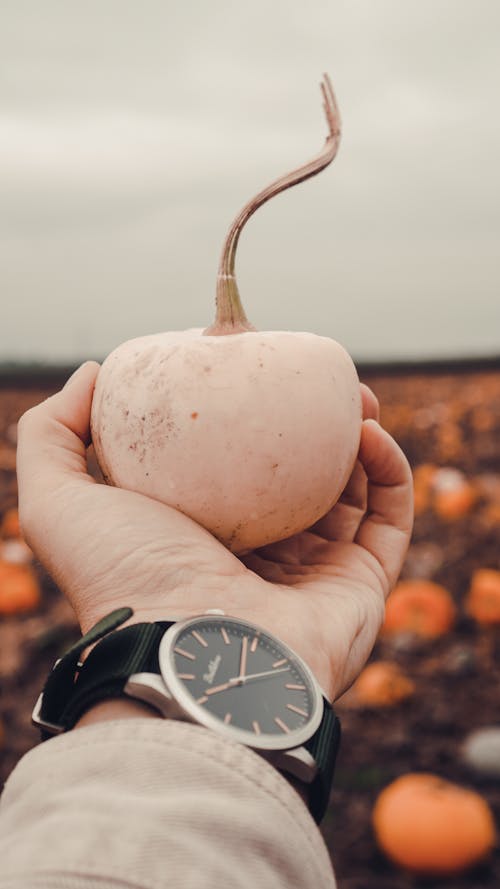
pixel 132 801
pixel 128 709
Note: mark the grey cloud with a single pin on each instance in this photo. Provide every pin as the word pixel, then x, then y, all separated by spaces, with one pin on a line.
pixel 142 128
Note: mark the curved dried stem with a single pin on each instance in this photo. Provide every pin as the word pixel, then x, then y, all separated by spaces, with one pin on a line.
pixel 230 317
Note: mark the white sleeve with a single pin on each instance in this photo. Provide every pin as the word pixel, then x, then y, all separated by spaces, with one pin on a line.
pixel 154 804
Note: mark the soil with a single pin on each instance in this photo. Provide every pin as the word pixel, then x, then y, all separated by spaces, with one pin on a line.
pixel 444 417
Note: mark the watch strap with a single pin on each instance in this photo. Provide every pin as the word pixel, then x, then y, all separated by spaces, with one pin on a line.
pixel 110 664
pixel 323 747
pixel 71 687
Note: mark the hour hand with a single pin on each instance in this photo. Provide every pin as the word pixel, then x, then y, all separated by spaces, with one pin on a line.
pixel 216 688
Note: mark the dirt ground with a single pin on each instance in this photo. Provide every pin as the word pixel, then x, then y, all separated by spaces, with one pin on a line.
pixel 445 417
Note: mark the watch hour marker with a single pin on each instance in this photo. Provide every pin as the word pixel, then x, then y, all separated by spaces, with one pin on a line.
pixel 202 700
pixel 296 709
pixel 295 687
pixel 225 636
pixel 255 642
pixel 256 727
pixel 186 676
pixel 243 658
pixel 279 722
pixel 199 639
pixel 227 718
pixel 280 663
pixel 192 657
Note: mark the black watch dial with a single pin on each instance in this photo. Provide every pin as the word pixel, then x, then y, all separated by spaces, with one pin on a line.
pixel 239 675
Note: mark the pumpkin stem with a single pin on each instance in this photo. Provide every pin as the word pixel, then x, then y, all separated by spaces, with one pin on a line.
pixel 230 315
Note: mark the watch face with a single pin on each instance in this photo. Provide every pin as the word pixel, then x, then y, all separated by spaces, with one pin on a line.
pixel 223 671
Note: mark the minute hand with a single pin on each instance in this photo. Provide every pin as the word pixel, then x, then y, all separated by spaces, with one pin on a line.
pixel 239 680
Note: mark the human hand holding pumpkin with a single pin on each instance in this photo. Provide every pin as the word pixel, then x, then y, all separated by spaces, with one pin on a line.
pixel 322 591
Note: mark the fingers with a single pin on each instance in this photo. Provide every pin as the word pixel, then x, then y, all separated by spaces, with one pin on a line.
pixel 52 437
pixel 385 531
pixel 371 407
pixel 343 520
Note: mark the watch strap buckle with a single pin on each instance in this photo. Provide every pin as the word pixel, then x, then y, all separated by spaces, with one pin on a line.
pixel 49 728
pixel 50 705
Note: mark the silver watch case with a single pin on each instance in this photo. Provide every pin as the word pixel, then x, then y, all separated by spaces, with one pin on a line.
pixel 167 694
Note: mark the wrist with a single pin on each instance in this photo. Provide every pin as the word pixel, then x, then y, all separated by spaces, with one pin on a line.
pixel 117 708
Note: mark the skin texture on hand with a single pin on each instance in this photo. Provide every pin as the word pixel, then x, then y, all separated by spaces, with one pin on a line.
pixel 321 591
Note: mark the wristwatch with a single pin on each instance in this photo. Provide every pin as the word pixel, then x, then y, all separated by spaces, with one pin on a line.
pixel 218 671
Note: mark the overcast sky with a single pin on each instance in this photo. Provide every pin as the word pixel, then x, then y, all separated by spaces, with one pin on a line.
pixel 131 134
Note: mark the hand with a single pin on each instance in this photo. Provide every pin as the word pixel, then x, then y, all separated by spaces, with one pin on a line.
pixel 321 591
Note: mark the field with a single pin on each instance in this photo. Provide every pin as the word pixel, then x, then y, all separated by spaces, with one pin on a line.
pixel 443 418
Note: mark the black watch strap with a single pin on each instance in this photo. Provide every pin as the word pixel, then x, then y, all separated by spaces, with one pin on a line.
pixel 323 747
pixel 70 691
pixel 110 664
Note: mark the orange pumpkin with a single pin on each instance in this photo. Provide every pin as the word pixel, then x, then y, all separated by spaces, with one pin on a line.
pixel 431 826
pixel 454 495
pixel 382 684
pixel 483 599
pixel 19 589
pixel 423 476
pixel 10 524
pixel 420 607
pixel 15 550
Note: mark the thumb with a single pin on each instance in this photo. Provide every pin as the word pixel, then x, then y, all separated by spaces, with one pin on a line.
pixel 53 435
pixel 73 403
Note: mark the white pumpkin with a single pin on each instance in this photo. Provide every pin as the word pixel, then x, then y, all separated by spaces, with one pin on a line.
pixel 253 435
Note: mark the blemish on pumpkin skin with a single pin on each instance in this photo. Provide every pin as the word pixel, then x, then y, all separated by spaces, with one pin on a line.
pixel 156 418
pixel 232 537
